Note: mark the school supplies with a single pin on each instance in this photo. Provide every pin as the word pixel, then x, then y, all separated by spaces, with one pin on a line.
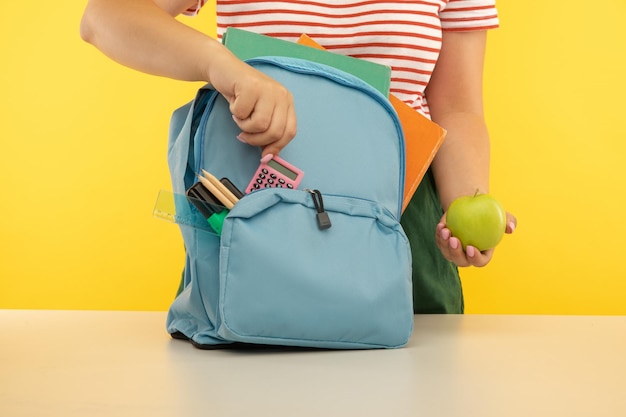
pixel 422 140
pixel 224 194
pixel 179 209
pixel 275 172
pixel 209 212
pixel 231 187
pixel 205 201
pixel 217 189
pixel 209 205
pixel 326 265
pixel 422 137
pixel 245 45
pixel 213 198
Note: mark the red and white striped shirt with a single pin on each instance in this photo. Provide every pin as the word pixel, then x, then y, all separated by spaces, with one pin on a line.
pixel 405 35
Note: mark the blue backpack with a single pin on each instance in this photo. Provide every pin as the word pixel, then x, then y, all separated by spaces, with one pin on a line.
pixel 274 277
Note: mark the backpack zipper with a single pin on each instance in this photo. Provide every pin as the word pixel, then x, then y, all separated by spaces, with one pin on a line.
pixel 323 221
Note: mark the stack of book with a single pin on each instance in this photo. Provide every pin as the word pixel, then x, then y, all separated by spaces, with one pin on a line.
pixel 423 137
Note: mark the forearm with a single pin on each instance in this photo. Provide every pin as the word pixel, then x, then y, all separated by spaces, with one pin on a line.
pixel 144 35
pixel 461 166
pixel 141 35
pixel 455 100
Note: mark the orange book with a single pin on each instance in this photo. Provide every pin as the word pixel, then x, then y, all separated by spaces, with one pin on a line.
pixel 422 138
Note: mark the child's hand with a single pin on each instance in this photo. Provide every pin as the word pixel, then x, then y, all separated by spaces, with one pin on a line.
pixel 452 249
pixel 261 107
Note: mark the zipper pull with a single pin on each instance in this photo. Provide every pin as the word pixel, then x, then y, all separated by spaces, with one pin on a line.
pixel 323 221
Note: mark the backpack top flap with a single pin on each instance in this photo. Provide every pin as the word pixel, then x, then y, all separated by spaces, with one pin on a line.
pixel 349 140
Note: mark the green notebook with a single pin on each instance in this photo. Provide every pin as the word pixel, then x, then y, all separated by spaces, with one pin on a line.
pixel 246 45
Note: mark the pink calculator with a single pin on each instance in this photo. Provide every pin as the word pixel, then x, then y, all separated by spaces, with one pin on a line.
pixel 274 172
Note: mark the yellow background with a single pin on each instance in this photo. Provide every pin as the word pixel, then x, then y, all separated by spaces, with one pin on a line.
pixel 84 143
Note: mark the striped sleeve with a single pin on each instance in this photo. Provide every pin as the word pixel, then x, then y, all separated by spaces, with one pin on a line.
pixel 193 11
pixel 463 15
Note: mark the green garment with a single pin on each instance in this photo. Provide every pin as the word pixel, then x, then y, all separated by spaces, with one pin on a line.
pixel 436 282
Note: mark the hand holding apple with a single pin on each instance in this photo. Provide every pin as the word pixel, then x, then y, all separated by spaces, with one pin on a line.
pixel 478 221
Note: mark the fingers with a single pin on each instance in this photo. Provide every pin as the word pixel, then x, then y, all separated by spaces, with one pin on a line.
pixel 278 133
pixel 252 113
pixel 452 249
pixel 511 223
pixel 261 107
pixel 266 116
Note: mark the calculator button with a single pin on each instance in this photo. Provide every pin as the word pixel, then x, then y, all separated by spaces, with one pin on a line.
pixel 280 180
pixel 264 170
pixel 259 181
pixel 273 176
pixel 262 176
pixel 289 186
pixel 270 181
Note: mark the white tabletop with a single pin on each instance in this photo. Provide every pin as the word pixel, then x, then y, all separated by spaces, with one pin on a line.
pixel 89 364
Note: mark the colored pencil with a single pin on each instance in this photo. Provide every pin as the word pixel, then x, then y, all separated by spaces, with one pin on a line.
pixel 216 192
pixel 220 186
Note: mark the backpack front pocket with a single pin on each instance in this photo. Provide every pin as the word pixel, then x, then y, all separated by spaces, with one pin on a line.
pixel 287 279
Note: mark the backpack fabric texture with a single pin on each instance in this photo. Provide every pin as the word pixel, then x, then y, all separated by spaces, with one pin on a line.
pixel 274 277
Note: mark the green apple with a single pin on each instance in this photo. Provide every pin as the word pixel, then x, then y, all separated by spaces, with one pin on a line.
pixel 477 220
